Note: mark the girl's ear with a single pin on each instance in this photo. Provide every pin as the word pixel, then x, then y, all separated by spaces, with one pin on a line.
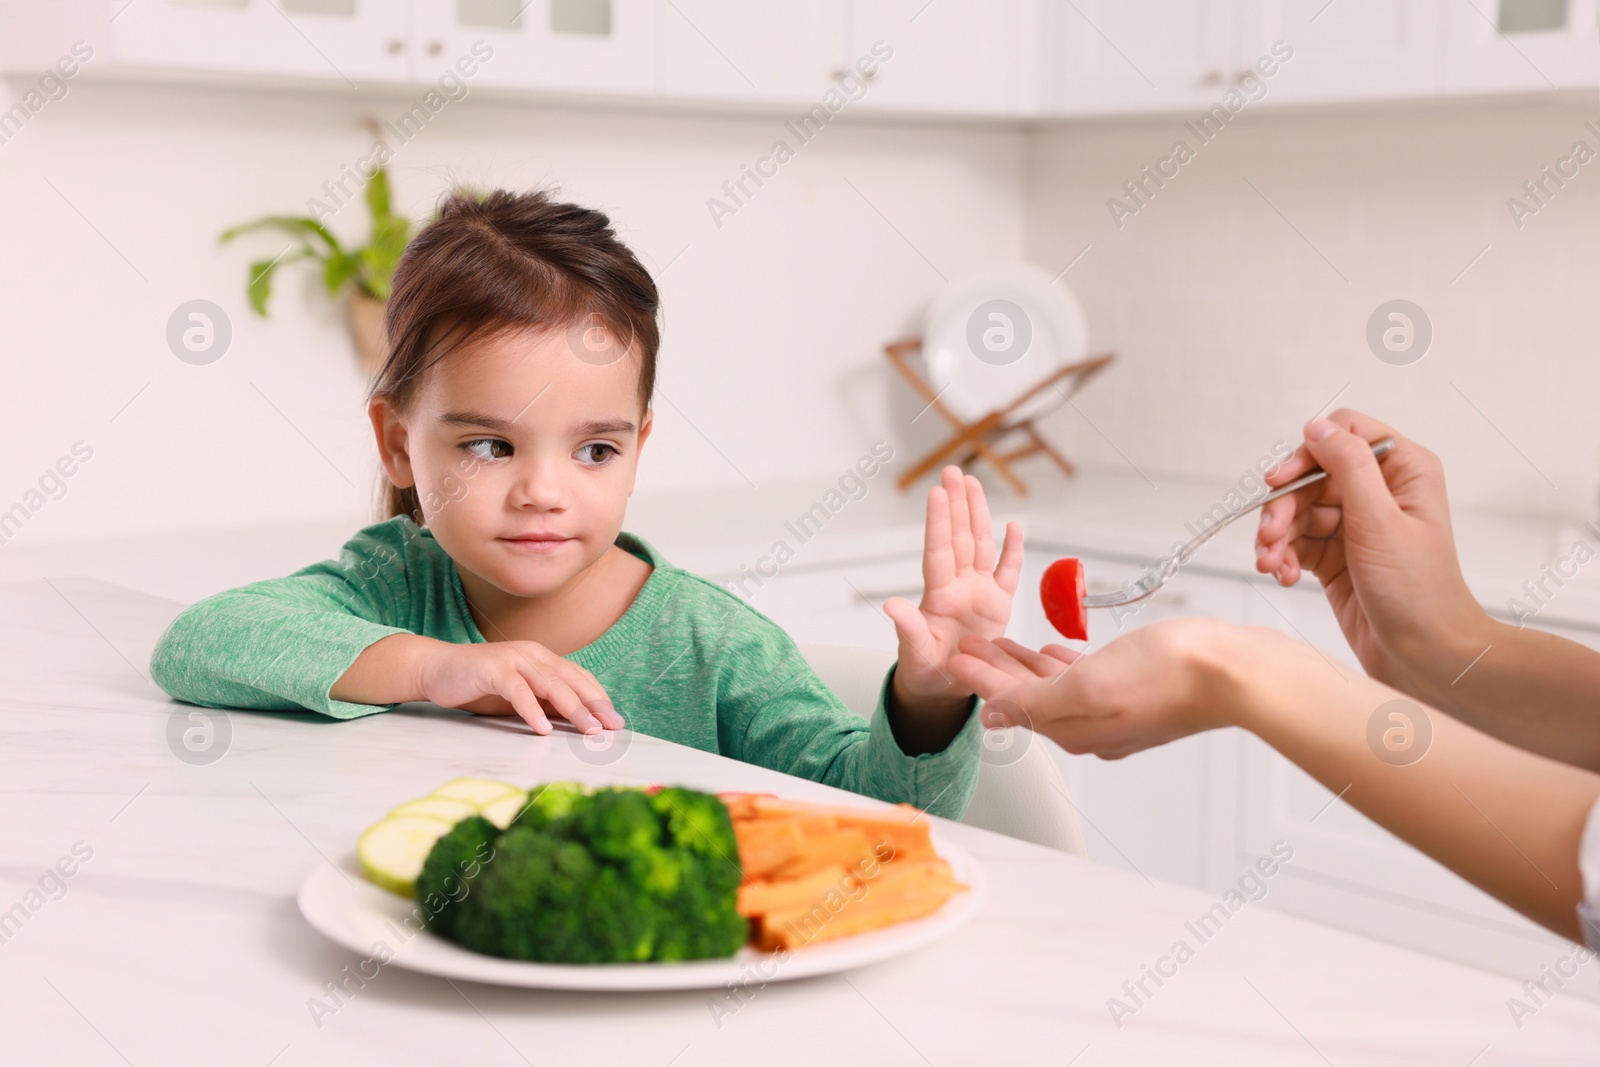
pixel 393 442
pixel 645 427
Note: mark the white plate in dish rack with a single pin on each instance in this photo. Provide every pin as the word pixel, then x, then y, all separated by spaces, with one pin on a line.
pixel 352 912
pixel 1058 335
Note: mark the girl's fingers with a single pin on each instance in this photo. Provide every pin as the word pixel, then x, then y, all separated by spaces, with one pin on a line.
pixel 608 715
pixel 1066 655
pixel 510 684
pixel 938 560
pixel 553 691
pixel 1009 572
pixel 955 487
pixel 982 527
pixel 593 695
pixel 908 621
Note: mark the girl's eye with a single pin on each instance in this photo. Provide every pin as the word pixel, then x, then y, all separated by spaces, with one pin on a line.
pixel 597 453
pixel 475 447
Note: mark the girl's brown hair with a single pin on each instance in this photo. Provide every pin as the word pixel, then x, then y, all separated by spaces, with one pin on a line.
pixel 508 261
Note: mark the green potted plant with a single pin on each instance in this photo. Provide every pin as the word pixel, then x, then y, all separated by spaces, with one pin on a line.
pixel 366 272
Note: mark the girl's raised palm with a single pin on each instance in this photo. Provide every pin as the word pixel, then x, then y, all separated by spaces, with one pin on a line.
pixel 964 592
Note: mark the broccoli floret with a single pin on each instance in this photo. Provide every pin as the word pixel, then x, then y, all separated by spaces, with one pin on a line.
pixel 553 801
pixel 614 876
pixel 700 919
pixel 545 898
pixel 452 866
pixel 699 822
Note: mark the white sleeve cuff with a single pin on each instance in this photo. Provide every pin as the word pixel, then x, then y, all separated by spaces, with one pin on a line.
pixel 1589 866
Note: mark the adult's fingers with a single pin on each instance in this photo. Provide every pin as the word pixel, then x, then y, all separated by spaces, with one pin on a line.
pixel 1351 466
pixel 1315 523
pixel 986 679
pixel 1046 667
pixel 1302 461
pixel 983 649
pixel 1066 655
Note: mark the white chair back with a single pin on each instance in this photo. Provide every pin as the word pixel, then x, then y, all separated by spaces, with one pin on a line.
pixel 1020 790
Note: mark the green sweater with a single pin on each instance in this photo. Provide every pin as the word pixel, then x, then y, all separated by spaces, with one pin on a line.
pixel 688 662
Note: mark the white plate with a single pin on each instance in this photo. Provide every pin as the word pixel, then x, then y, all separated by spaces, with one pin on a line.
pixel 987 355
pixel 354 913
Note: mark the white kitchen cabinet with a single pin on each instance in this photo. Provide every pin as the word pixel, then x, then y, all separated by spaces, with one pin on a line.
pixel 998 59
pixel 578 46
pixel 780 51
pixel 1112 56
pixel 1348 871
pixel 1349 50
pixel 965 57
pixel 843 604
pixel 1166 812
pixel 352 41
pixel 1493 46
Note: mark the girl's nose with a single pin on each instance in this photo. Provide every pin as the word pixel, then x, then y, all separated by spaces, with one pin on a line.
pixel 539 486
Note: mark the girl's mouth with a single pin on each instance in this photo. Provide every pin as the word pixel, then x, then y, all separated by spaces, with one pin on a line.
pixel 538 543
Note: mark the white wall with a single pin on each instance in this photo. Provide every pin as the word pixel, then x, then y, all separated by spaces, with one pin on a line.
pixel 773 322
pixel 1232 322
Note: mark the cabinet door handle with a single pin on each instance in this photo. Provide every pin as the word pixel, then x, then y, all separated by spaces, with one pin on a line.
pixel 878 596
pixel 396 46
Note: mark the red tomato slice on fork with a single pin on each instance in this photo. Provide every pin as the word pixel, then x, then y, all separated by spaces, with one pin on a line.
pixel 1062 594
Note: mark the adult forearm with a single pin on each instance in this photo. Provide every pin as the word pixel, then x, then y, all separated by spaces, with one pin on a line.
pixel 1527 687
pixel 1507 820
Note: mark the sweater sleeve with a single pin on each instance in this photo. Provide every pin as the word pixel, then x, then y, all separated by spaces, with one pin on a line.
pixel 280 644
pixel 780 715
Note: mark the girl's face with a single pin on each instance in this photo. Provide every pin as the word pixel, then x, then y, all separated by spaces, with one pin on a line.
pixel 523 455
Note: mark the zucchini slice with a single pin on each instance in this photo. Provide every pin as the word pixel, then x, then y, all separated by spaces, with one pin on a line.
pixel 475 791
pixel 393 849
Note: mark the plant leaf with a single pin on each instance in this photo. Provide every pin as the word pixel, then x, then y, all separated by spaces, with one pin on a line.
pixel 259 287
pixel 378 199
pixel 339 269
pixel 296 226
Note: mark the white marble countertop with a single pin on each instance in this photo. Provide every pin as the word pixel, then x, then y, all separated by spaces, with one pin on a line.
pixel 178 941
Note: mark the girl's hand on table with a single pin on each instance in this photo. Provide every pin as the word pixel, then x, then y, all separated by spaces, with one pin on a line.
pixel 965 593
pixel 1378 538
pixel 1148 687
pixel 516 678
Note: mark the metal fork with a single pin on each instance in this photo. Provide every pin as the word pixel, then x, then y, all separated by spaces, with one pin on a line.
pixel 1160 574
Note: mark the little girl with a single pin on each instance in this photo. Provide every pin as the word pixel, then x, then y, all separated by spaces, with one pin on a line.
pixel 509 417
